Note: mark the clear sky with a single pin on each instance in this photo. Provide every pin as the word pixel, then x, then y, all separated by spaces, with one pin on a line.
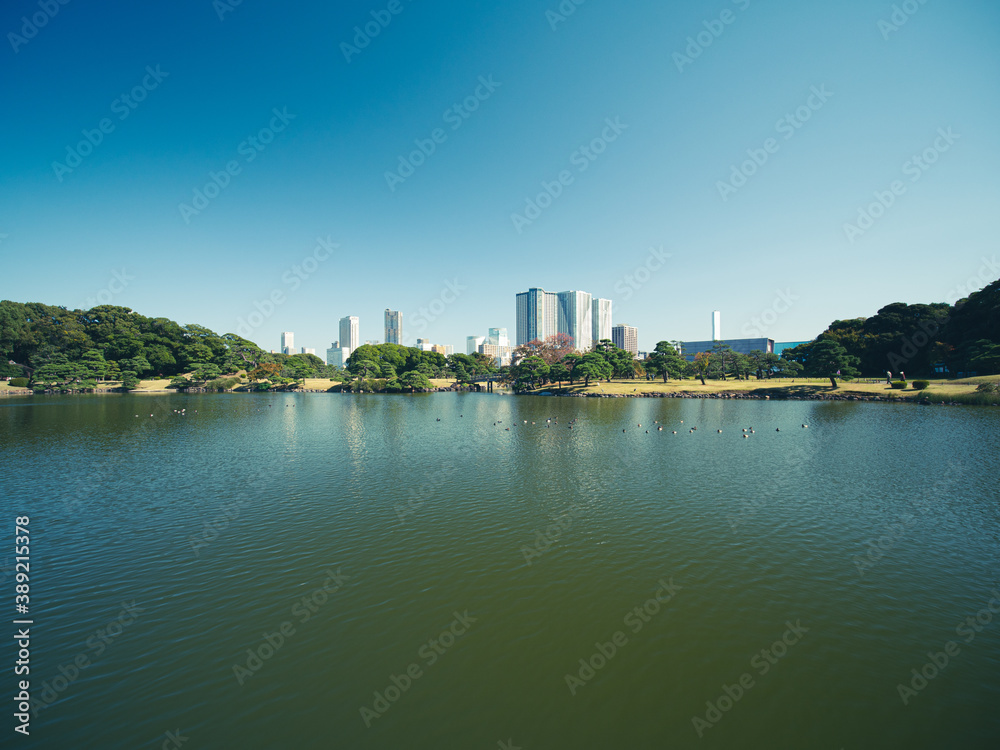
pixel 313 119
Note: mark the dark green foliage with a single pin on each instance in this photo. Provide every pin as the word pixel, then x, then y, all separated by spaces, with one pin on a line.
pixel 19 383
pixel 67 347
pixel 222 384
pixel 898 385
pixel 919 385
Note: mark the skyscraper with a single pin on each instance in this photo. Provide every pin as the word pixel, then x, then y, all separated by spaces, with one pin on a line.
pixel 472 343
pixel 716 326
pixel 626 337
pixel 576 318
pixel 498 337
pixel 393 326
pixel 601 315
pixel 537 315
pixel 288 342
pixel 350 332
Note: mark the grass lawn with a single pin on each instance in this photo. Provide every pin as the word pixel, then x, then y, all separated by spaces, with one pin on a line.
pixel 782 387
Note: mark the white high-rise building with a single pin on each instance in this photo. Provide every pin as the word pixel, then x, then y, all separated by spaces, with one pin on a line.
pixel 716 326
pixel 472 343
pixel 308 351
pixel 626 337
pixel 498 337
pixel 350 332
pixel 601 319
pixel 287 342
pixel 537 315
pixel 576 318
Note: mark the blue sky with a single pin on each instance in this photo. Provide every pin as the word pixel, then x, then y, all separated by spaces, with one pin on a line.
pixel 534 86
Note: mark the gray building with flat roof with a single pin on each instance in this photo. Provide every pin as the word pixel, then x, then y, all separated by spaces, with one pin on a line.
pixel 740 346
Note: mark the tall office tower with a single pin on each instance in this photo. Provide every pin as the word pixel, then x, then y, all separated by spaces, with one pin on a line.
pixel 472 343
pixel 288 343
pixel 537 315
pixel 716 326
pixel 393 326
pixel 601 315
pixel 576 318
pixel 308 351
pixel 626 337
pixel 498 337
pixel 350 332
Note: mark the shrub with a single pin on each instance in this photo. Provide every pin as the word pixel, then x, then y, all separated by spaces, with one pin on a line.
pixel 19 383
pixel 898 384
pixel 919 385
pixel 988 388
pixel 221 384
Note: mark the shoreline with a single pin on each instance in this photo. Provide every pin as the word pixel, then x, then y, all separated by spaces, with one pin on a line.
pixel 717 395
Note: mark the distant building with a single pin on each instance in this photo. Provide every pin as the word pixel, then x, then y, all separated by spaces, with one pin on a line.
pixel 393 326
pixel 577 314
pixel 445 349
pixel 337 355
pixel 308 351
pixel 740 346
pixel 576 318
pixel 600 314
pixel 372 343
pixel 424 345
pixel 350 332
pixel 537 315
pixel 716 326
pixel 472 343
pixel 626 337
pixel 779 348
pixel 501 354
pixel 288 342
pixel 498 337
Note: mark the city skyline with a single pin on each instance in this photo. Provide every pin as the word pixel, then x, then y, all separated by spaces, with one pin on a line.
pixel 759 198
